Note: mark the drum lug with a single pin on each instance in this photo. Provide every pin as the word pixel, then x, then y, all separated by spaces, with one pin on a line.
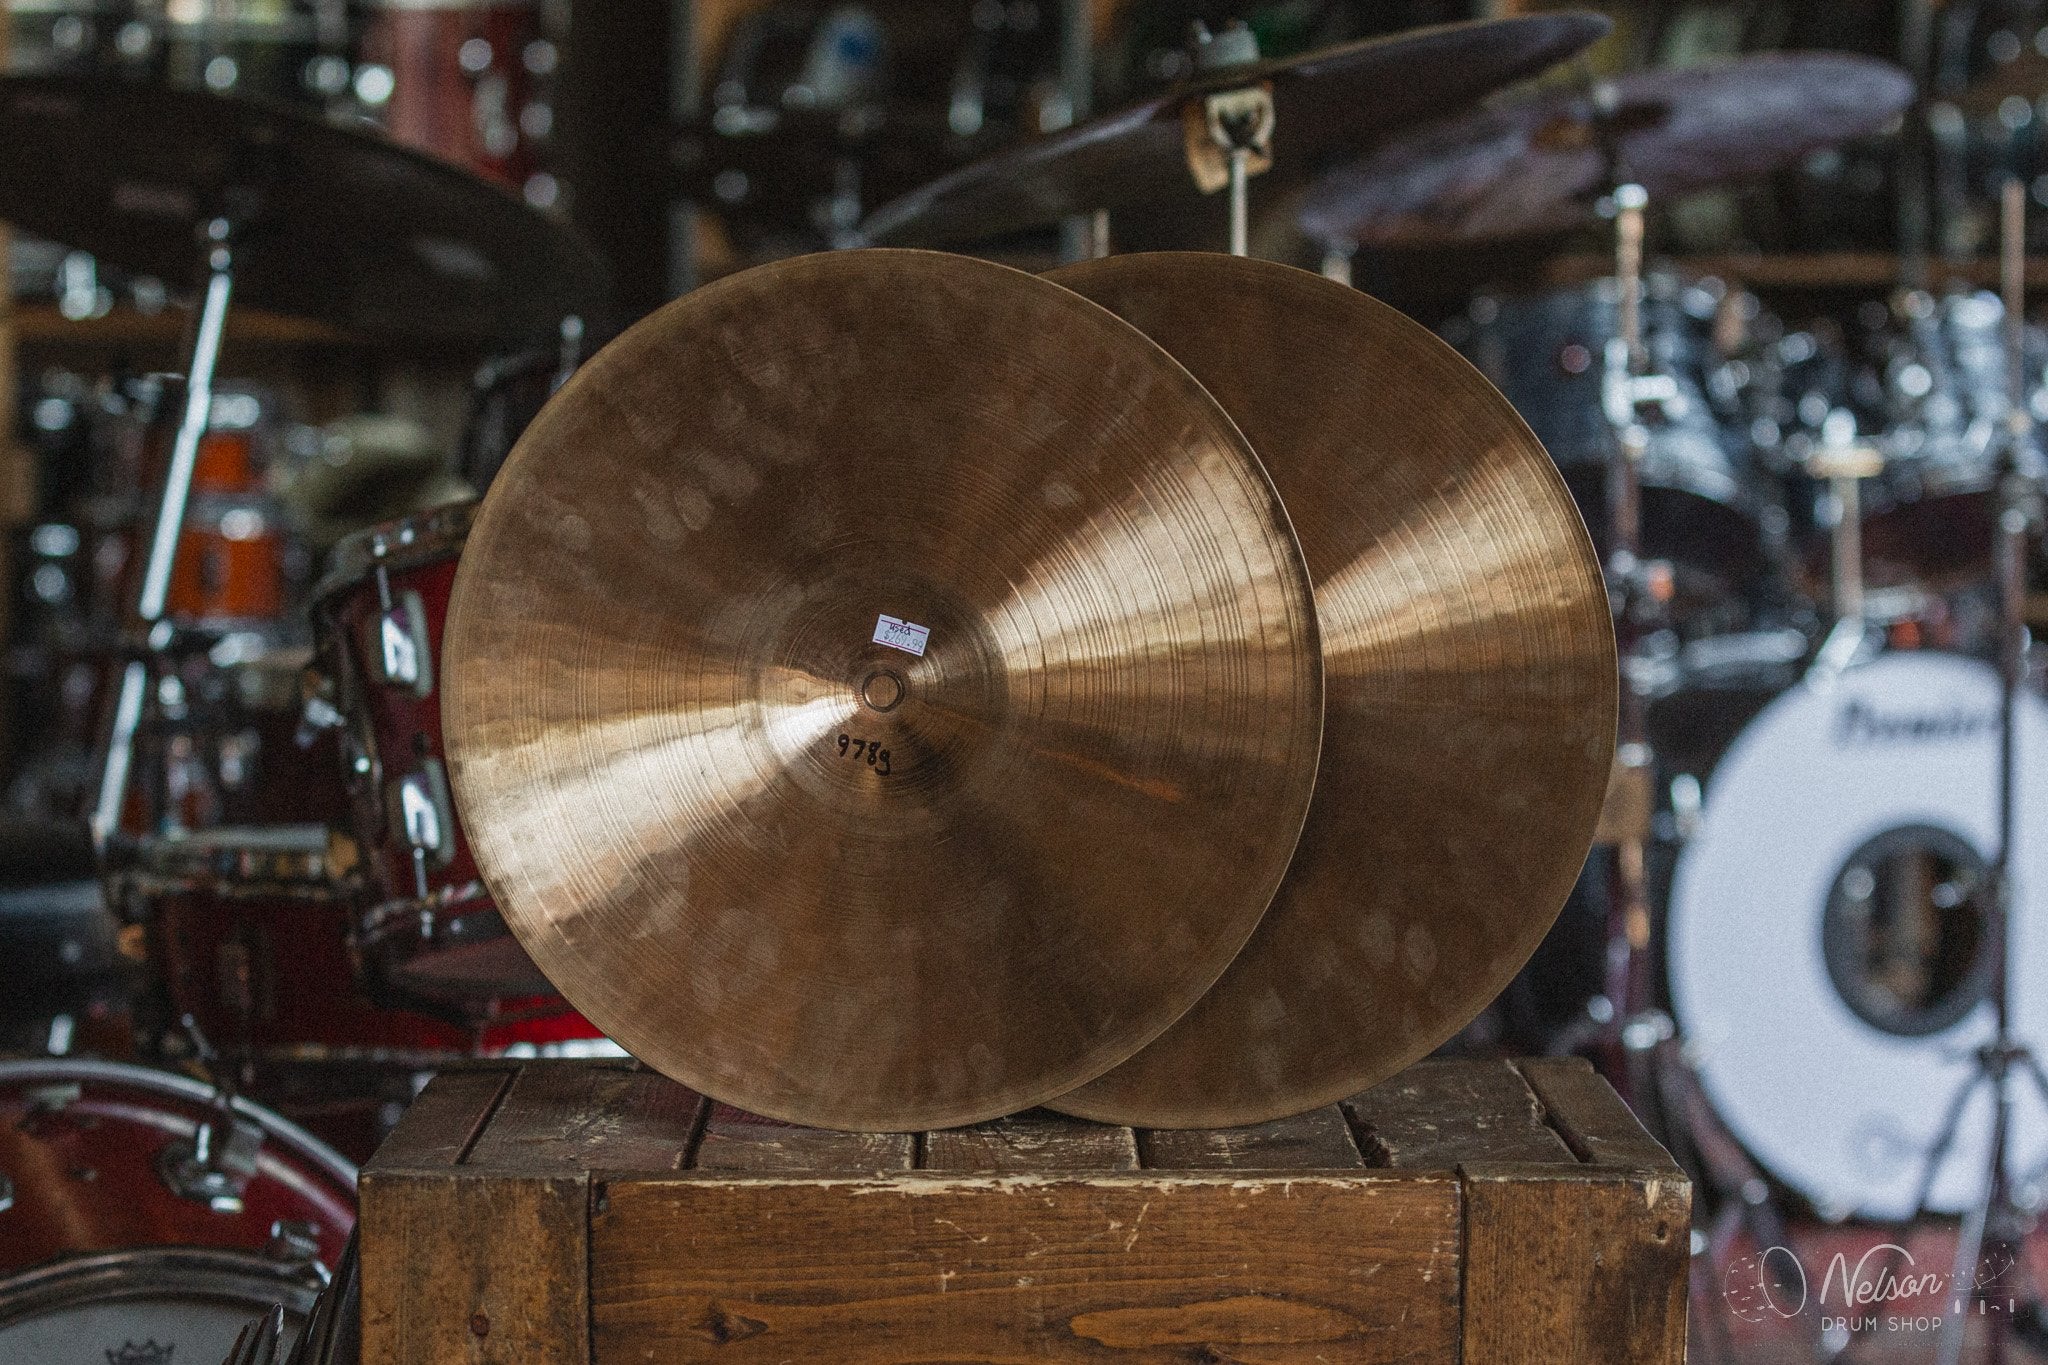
pixel 209 1169
pixel 294 1241
pixel 425 815
pixel 401 653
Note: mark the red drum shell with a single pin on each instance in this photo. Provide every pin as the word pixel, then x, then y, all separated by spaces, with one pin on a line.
pixel 81 1140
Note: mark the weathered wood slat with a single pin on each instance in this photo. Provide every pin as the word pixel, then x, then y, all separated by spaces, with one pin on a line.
pixel 1591 1118
pixel 737 1141
pixel 1130 1268
pixel 562 1117
pixel 1037 1142
pixel 458 1268
pixel 1437 1115
pixel 1316 1141
pixel 1578 1268
pixel 442 1122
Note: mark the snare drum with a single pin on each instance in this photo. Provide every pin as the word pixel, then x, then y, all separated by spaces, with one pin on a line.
pixel 117 1233
pixel 432 929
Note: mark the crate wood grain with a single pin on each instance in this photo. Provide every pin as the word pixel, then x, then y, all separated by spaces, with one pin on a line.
pixel 594 1212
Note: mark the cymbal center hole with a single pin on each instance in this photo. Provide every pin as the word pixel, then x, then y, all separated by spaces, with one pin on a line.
pixel 882 689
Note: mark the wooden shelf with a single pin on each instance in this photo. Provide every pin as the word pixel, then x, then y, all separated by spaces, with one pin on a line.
pixel 41 324
pixel 1859 271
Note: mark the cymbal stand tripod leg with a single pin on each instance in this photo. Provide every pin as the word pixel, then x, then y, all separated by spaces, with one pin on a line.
pixel 1996 1216
pixel 117 771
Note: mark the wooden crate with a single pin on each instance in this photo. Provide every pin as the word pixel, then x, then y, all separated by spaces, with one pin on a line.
pixel 596 1212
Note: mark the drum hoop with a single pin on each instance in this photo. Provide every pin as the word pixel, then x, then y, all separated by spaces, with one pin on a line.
pixel 151 1272
pixel 59 1069
pixel 422 538
pixel 389 918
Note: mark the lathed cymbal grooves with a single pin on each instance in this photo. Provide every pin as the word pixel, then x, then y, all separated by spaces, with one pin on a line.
pixel 1470 672
pixel 845 883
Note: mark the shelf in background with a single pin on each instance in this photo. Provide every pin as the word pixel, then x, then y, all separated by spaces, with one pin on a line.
pixel 41 324
pixel 1862 271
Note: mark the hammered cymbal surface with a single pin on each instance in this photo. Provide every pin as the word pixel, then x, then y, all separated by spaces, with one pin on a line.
pixel 825 879
pixel 1469 675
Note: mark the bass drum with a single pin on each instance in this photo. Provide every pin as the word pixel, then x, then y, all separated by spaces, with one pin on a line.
pixel 149 1304
pixel 1844 842
pixel 145 1221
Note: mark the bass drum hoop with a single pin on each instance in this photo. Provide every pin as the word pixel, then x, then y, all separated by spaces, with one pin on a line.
pixel 210 1273
pixel 273 1124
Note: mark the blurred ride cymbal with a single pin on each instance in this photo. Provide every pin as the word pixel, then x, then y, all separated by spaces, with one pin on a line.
pixel 833 881
pixel 1469 670
pixel 1538 166
pixel 337 224
pixel 1326 103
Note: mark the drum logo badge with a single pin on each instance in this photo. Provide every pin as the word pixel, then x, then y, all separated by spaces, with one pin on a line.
pixel 1862 722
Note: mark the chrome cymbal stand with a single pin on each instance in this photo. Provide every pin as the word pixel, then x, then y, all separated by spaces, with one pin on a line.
pixel 1638 1041
pixel 1998 1220
pixel 1228 134
pixel 116 774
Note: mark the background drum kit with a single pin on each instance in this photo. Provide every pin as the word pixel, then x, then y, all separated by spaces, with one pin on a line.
pixel 889 690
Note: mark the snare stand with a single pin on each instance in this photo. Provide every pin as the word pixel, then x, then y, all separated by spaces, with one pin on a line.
pixel 217 256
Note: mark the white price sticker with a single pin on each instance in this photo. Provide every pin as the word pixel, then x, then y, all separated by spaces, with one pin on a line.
pixel 907 636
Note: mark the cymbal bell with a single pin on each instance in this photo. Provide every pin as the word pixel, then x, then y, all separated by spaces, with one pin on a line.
pixel 882 690
pixel 1469 668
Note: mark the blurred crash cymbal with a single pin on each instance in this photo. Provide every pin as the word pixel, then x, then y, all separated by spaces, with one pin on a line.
pixel 335 223
pixel 836 881
pixel 1540 166
pixel 1469 670
pixel 1326 103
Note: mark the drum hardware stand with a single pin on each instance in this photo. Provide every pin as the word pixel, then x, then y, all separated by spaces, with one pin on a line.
pixel 1844 464
pixel 212 1166
pixel 1337 264
pixel 1998 1217
pixel 115 776
pixel 1645 1058
pixel 1228 134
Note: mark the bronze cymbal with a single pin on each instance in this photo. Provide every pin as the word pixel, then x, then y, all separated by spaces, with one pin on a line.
pixel 332 222
pixel 1326 103
pixel 1469 673
pixel 1539 165
pixel 833 881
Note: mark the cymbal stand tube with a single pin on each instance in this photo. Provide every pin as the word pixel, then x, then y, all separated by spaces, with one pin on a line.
pixel 1997 1217
pixel 1847 546
pixel 116 771
pixel 1240 201
pixel 1630 389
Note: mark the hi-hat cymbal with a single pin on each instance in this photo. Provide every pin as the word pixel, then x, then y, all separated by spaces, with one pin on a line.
pixel 1469 671
pixel 332 223
pixel 1325 103
pixel 1540 165
pixel 887 885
